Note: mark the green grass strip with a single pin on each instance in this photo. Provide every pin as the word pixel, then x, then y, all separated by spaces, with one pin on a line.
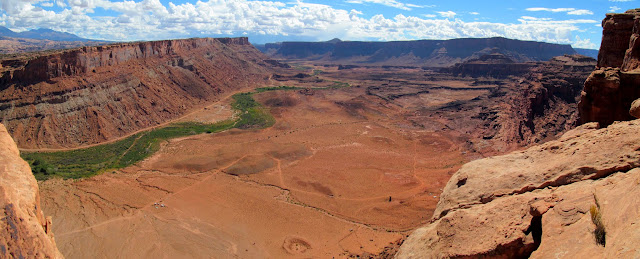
pixel 91 161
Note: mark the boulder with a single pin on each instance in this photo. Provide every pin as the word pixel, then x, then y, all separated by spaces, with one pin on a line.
pixel 635 108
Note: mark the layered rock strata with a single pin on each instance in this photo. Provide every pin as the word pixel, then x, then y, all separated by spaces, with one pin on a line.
pixel 24 230
pixel 615 84
pixel 546 103
pixel 94 94
pixel 495 65
pixel 432 53
pixel 575 197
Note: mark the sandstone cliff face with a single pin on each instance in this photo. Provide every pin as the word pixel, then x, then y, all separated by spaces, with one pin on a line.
pixel 536 202
pixel 615 84
pixel 93 94
pixel 547 101
pixel 525 109
pixel 495 65
pixel 24 231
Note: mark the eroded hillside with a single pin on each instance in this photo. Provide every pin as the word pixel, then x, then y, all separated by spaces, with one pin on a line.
pixel 575 197
pixel 350 152
pixel 432 53
pixel 95 94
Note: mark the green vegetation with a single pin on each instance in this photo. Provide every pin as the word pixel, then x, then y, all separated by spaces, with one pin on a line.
pixel 596 217
pixel 252 114
pixel 94 160
pixel 275 88
pixel 91 161
pixel 338 84
pixel 317 72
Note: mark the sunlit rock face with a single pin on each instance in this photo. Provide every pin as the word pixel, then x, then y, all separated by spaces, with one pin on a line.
pixel 615 84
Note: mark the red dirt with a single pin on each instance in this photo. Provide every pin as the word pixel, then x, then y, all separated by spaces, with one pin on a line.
pixel 318 183
pixel 343 172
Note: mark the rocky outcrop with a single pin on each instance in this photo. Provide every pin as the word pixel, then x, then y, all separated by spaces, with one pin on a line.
pixel 495 65
pixel 524 110
pixel 635 109
pixel 536 202
pixel 572 197
pixel 84 60
pixel 94 94
pixel 432 53
pixel 546 103
pixel 615 84
pixel 24 231
pixel 549 200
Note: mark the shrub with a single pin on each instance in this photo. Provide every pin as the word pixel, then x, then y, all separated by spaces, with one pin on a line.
pixel 596 217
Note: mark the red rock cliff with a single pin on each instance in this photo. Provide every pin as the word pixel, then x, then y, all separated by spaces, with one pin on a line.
pixel 93 94
pixel 574 197
pixel 24 231
pixel 615 84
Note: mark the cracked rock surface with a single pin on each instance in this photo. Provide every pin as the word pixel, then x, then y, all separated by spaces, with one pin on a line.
pixel 535 203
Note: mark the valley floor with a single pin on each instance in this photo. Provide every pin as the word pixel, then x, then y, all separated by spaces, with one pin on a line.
pixel 343 172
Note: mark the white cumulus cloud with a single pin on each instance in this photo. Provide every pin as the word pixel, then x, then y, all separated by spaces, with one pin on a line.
pixel 391 3
pixel 153 20
pixel 447 14
pixel 571 11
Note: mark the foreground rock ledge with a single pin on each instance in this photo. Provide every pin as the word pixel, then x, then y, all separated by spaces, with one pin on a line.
pixel 24 231
pixel 536 202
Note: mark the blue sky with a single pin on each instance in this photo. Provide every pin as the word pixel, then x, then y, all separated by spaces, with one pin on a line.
pixel 561 21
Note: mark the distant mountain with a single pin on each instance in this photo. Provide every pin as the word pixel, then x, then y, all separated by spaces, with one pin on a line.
pixel 432 53
pixel 588 52
pixel 40 39
pixel 48 34
pixel 6 32
pixel 41 34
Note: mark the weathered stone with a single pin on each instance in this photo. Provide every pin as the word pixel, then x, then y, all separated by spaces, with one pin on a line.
pixel 24 231
pixel 535 203
pixel 609 91
pixel 570 159
pixel 635 109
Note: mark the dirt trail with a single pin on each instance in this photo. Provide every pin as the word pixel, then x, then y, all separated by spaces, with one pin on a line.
pixel 316 184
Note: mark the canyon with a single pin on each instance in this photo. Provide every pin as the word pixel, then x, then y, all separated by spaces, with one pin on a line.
pixel 576 196
pixel 256 193
pixel 102 93
pixel 472 148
